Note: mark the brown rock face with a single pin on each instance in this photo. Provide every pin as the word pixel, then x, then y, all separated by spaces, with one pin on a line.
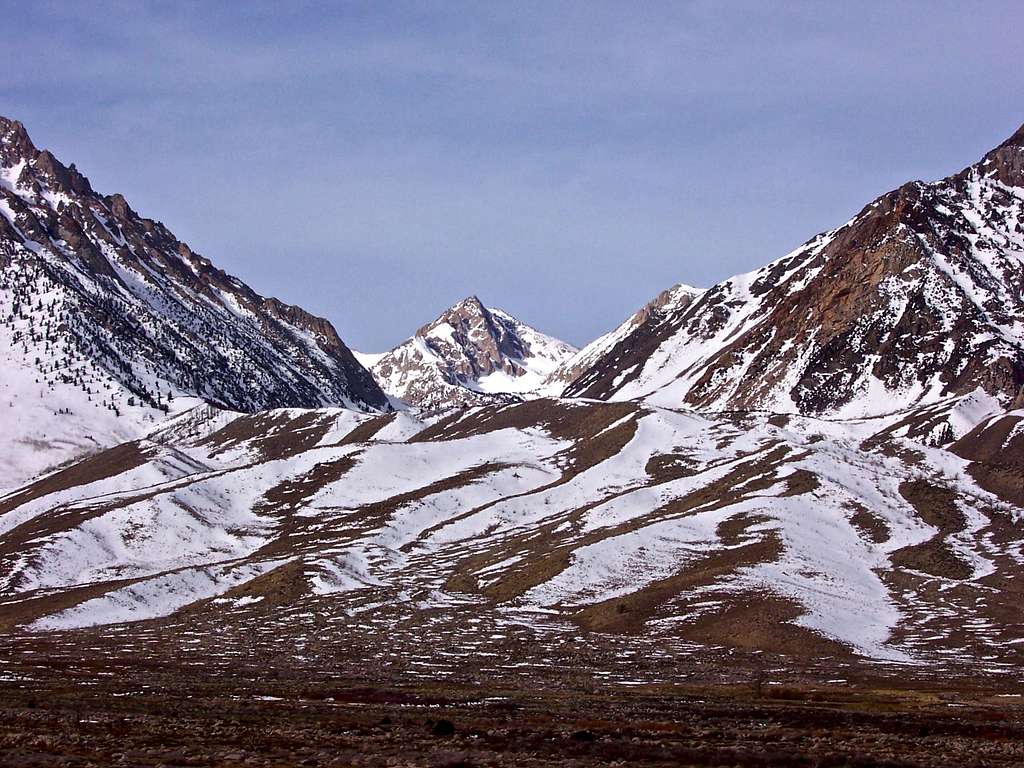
pixel 919 297
pixel 140 304
pixel 15 143
pixel 1005 163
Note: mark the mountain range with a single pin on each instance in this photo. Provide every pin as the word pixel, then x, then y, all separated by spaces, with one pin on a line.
pixel 819 459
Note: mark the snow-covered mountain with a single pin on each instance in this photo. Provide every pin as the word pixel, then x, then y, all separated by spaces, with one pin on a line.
pixel 820 459
pixel 107 322
pixel 470 355
pixel 919 297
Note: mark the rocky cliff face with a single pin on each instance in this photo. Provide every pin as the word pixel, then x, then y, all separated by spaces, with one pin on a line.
pixel 919 297
pixel 470 355
pixel 104 311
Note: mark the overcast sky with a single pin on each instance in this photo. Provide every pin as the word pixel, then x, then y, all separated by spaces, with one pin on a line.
pixel 375 162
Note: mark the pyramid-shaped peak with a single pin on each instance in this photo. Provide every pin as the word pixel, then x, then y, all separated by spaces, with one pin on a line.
pixel 469 310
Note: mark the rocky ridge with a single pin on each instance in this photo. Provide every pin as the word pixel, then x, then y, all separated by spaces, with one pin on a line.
pixel 669 301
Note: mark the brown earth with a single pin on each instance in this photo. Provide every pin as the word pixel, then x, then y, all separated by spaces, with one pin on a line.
pixel 70 712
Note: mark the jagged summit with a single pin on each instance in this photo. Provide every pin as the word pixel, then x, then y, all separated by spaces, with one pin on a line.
pixel 469 354
pixel 15 143
pixel 98 301
pixel 469 305
pixel 17 149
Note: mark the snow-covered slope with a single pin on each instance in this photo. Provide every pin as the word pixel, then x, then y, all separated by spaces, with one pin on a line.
pixel 919 297
pixel 796 535
pixel 106 320
pixel 471 354
pixel 663 305
pixel 368 359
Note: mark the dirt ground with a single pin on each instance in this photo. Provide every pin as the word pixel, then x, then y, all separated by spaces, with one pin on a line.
pixel 62 710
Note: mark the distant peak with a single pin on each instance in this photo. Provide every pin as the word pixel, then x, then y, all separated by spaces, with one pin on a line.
pixel 470 310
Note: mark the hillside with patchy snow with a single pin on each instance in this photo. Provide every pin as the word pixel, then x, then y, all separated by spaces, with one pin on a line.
pixel 617 517
pixel 821 459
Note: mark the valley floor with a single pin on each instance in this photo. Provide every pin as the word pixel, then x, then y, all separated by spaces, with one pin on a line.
pixel 63 704
pixel 147 699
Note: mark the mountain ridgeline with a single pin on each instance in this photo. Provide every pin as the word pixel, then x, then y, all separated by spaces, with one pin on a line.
pixel 85 275
pixel 820 459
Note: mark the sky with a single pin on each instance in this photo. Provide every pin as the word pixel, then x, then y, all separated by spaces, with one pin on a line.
pixel 376 162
